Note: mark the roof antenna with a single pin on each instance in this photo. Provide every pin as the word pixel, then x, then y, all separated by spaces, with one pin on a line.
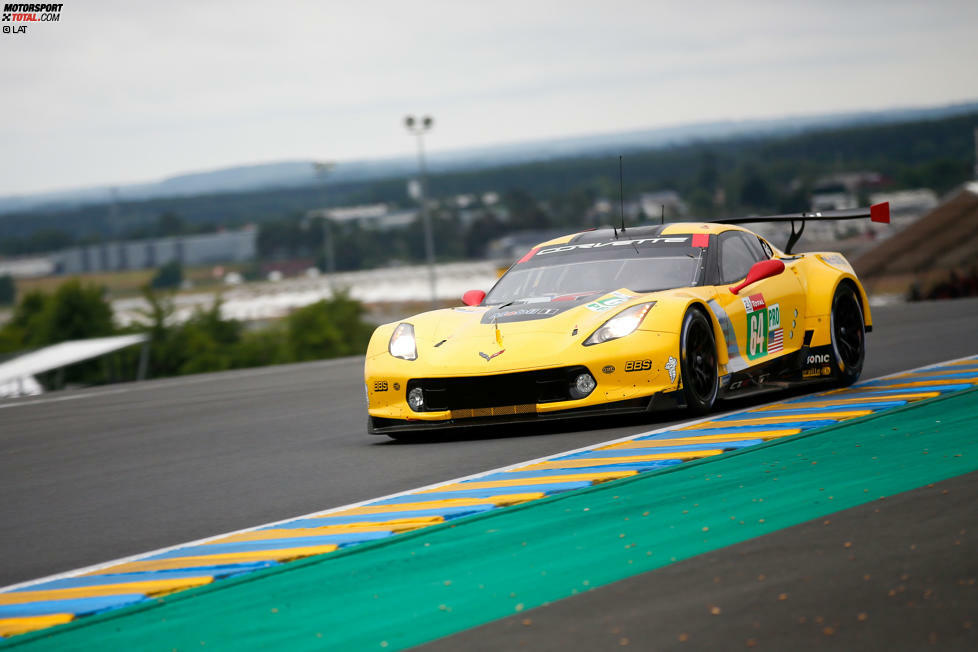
pixel 662 214
pixel 621 196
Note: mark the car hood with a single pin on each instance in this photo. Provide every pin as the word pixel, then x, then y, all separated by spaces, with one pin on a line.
pixel 520 335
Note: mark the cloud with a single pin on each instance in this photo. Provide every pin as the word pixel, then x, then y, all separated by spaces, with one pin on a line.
pixel 121 91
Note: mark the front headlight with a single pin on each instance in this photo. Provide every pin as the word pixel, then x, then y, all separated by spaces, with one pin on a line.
pixel 620 325
pixel 402 343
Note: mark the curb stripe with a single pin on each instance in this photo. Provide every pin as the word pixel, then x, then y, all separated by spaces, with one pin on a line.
pixel 24 607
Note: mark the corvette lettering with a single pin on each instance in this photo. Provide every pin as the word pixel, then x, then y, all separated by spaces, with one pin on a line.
pixel 528 311
pixel 613 243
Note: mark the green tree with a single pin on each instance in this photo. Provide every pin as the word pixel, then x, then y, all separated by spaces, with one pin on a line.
pixel 74 312
pixel 8 291
pixel 165 353
pixel 754 190
pixel 525 212
pixel 262 347
pixel 170 223
pixel 328 328
pixel 15 335
pixel 169 275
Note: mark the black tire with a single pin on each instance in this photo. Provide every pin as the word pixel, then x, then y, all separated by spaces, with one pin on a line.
pixel 698 362
pixel 848 330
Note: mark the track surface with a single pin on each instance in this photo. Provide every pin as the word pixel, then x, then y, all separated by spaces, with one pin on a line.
pixel 897 574
pixel 98 474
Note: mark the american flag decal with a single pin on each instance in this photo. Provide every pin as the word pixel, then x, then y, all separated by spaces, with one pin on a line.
pixel 776 341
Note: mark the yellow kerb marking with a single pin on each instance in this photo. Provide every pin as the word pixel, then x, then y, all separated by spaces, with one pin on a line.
pixel 941 372
pixel 14 626
pixel 923 383
pixel 264 535
pixel 785 418
pixel 840 402
pixel 863 395
pixel 493 484
pixel 510 499
pixel 598 461
pixel 152 587
pixel 216 560
pixel 706 439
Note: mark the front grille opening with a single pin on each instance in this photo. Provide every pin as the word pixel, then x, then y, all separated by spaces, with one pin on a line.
pixel 522 389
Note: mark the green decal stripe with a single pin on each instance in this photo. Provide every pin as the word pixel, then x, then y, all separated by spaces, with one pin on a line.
pixel 430 583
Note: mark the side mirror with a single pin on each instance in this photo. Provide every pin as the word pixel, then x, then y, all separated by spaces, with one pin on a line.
pixel 475 297
pixel 758 272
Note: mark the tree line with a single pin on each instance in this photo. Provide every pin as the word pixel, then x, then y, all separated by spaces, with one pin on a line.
pixel 746 173
pixel 207 341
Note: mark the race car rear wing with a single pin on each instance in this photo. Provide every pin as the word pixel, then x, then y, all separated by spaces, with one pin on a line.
pixel 876 213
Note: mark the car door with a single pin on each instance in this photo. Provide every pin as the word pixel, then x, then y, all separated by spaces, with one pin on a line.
pixel 766 316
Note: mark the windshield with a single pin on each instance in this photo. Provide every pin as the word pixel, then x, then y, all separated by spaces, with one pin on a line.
pixel 644 271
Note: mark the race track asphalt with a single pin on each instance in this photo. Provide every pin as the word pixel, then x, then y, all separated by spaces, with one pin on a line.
pixel 92 475
pixel 894 574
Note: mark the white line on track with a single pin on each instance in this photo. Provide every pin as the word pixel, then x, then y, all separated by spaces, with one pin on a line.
pixel 675 426
pixel 171 382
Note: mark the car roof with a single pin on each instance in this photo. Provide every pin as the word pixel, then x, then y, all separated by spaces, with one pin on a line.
pixel 673 228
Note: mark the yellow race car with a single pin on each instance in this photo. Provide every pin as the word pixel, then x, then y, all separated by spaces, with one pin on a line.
pixel 626 320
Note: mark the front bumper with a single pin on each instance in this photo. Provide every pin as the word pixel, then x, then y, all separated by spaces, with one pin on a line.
pixel 627 372
pixel 656 402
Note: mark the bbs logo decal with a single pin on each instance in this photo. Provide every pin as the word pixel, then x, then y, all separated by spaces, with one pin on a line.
pixel 380 386
pixel 638 365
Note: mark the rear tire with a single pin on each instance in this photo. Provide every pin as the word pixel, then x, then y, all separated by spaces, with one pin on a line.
pixel 698 362
pixel 848 335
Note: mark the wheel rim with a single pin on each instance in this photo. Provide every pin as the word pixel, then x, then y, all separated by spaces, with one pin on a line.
pixel 847 330
pixel 701 364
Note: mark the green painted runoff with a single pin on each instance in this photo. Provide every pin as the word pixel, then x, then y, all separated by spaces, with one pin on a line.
pixel 430 583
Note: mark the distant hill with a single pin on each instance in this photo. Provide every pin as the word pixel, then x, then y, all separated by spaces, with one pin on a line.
pixel 291 174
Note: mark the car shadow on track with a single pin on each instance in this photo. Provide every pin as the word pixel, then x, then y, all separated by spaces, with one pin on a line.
pixel 645 421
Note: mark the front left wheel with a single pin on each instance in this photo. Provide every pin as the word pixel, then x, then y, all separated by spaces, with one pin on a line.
pixel 698 360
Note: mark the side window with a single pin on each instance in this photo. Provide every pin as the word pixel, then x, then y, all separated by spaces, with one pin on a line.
pixel 737 255
pixel 768 252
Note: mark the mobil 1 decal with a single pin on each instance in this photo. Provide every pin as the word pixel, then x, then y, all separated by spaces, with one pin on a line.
pixel 764 333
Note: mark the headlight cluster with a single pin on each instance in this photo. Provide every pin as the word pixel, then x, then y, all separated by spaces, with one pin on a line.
pixel 620 325
pixel 402 344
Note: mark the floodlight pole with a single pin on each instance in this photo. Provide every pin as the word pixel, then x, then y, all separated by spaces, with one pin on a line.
pixel 322 169
pixel 418 128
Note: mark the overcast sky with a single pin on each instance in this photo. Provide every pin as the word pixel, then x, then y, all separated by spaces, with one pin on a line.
pixel 122 91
